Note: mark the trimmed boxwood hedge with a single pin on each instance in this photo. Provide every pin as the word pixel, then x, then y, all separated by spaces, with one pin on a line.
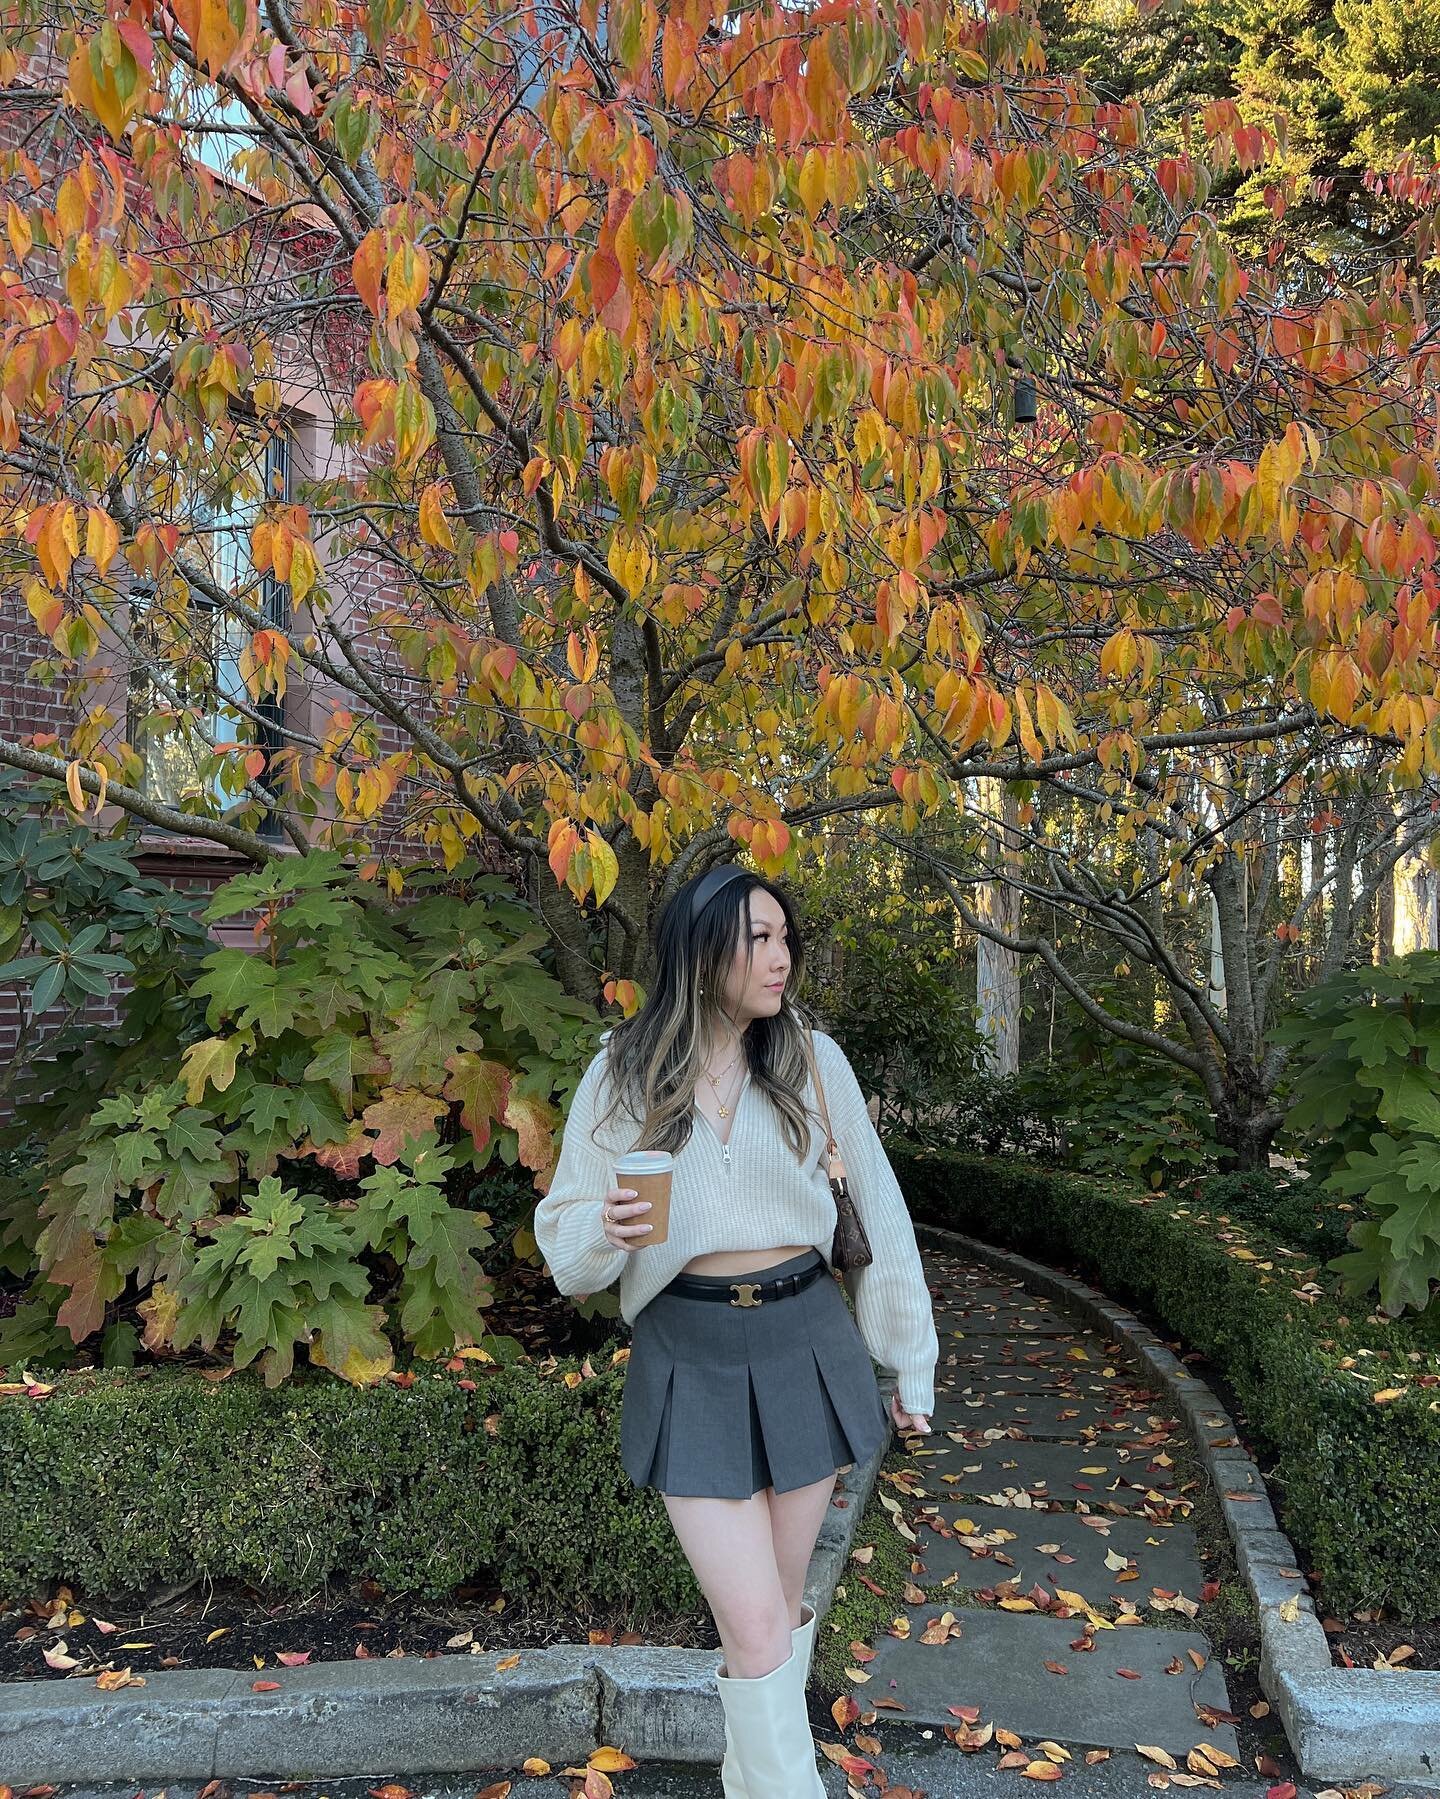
pixel 1357 1483
pixel 125 1477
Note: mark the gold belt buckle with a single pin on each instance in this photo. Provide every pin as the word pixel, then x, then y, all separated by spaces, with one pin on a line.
pixel 747 1290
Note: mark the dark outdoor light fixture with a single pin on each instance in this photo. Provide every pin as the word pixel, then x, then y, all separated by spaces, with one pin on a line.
pixel 1025 407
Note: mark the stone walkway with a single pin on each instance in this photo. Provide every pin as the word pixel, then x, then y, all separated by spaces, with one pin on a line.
pixel 1045 1476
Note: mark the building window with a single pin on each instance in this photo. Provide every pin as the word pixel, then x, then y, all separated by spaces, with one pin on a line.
pixel 218 128
pixel 187 697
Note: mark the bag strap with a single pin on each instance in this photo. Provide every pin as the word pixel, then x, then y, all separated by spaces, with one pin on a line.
pixel 820 1095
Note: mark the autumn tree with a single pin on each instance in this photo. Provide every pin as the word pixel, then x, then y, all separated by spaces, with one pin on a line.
pixel 678 358
pixel 1238 882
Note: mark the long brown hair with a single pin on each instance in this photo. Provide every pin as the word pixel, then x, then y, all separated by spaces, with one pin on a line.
pixel 657 1056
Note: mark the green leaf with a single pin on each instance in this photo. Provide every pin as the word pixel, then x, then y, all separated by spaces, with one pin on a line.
pixel 340 1058
pixel 1377 1036
pixel 23 967
pixel 191 1133
pixel 232 981
pixel 1411 1095
pixel 47 989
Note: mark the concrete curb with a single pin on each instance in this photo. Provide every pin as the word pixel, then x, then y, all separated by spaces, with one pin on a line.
pixel 1342 1724
pixel 389 1717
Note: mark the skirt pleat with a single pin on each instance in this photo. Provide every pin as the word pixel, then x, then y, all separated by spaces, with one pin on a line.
pixel 724 1401
pixel 859 1405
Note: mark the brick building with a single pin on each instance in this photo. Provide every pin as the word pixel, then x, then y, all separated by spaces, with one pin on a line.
pixel 296 444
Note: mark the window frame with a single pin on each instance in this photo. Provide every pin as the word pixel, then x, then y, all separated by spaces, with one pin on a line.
pixel 273 603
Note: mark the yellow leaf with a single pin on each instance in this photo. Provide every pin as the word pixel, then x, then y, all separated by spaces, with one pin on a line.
pixel 434 526
pixel 73 787
pixel 407 277
pixel 1029 741
pixel 610 1761
pixel 102 537
pixel 604 867
pixel 303 570
pixel 17 229
pixel 359 1369
pixel 211 1062
pixel 813 181
pixel 1119 656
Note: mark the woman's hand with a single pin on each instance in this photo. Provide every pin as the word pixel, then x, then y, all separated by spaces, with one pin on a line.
pixel 624 1224
pixel 903 1420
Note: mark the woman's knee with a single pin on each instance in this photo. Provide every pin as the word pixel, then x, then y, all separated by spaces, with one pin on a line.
pixel 729 1545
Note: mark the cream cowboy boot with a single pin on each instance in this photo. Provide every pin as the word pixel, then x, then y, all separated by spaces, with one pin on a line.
pixel 771 1753
pixel 802 1640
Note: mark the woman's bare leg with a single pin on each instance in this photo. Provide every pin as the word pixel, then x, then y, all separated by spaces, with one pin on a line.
pixel 795 1520
pixel 728 1543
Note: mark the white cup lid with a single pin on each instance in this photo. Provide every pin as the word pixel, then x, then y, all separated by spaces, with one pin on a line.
pixel 645 1161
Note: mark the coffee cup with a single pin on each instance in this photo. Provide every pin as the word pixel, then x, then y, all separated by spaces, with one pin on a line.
pixel 649 1172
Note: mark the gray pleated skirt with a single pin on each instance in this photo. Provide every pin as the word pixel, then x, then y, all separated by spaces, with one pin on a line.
pixel 722 1401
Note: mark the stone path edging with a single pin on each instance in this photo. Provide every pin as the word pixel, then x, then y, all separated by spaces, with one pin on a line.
pixel 392 1716
pixel 1341 1723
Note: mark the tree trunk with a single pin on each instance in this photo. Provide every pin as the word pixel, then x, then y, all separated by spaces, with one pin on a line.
pixel 574 964
pixel 1245 1123
pixel 1385 919
pixel 997 970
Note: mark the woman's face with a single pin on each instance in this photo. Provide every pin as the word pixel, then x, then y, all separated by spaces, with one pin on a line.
pixel 754 990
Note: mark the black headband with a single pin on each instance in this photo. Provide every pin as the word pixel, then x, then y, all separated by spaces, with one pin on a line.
pixel 711 883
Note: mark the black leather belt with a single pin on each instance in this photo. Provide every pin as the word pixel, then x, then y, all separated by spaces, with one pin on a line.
pixel 748 1293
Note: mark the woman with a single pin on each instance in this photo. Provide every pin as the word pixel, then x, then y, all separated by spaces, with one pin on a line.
pixel 749 1385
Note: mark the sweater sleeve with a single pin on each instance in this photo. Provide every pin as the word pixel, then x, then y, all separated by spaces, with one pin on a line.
pixel 893 1310
pixel 568 1226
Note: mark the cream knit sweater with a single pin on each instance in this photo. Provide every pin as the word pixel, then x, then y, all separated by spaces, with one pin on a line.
pixel 749 1193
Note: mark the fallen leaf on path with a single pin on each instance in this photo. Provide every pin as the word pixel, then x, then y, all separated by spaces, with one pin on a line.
pixel 611 1761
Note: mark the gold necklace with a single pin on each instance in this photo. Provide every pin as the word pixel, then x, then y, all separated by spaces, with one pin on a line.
pixel 723 1108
